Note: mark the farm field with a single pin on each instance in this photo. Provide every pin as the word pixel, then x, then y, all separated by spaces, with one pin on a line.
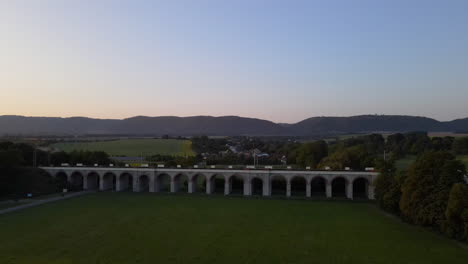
pixel 144 228
pixel 404 163
pixel 133 147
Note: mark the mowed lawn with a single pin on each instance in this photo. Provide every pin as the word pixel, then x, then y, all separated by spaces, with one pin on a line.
pixel 151 228
pixel 133 147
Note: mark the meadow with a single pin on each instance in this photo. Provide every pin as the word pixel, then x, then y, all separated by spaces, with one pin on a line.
pixel 156 228
pixel 132 147
pixel 405 163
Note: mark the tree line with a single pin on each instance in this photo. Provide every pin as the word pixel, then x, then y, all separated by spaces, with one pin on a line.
pixel 432 193
pixel 19 174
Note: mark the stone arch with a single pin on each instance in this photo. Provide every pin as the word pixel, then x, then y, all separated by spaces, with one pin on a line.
pixel 143 183
pixel 77 181
pixel 109 180
pixel 256 184
pixel 180 182
pixel 278 185
pixel 62 179
pixel 360 188
pixel 92 180
pixel 217 183
pixel 318 186
pixel 198 182
pixel 236 184
pixel 125 182
pixel 162 183
pixel 298 186
pixel 339 186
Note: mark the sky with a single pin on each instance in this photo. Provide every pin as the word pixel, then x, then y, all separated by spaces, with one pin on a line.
pixel 278 60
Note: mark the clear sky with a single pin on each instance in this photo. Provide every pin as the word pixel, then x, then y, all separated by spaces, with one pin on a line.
pixel 277 60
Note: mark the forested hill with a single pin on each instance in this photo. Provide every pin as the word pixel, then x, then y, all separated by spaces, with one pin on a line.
pixel 376 123
pixel 222 126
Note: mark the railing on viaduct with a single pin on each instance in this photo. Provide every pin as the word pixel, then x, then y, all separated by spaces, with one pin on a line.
pixel 251 182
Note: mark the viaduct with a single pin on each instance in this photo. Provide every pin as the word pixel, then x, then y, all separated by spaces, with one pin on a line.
pixel 308 183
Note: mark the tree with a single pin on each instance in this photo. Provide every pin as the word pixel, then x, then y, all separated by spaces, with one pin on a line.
pixel 394 144
pixel 10 158
pixel 356 157
pixel 416 143
pixel 457 212
pixel 426 189
pixel 442 143
pixel 388 186
pixel 460 146
pixel 310 154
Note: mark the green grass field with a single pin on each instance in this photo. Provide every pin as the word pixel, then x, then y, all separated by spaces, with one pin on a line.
pixel 133 147
pixel 403 164
pixel 150 228
pixel 464 159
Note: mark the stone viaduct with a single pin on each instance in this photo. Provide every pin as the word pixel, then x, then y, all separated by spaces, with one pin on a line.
pixel 246 182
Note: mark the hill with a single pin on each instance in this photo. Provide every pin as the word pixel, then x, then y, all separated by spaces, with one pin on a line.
pixel 223 126
pixel 366 124
pixel 140 125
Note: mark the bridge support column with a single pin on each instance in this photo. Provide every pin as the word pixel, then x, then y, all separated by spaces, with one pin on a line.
pixel 173 186
pixel 118 186
pixel 370 192
pixel 266 188
pixel 209 185
pixel 227 187
pixel 101 183
pixel 308 189
pixel 191 186
pixel 247 187
pixel 349 190
pixel 329 190
pixel 157 184
pixel 136 185
pixel 85 182
pixel 117 183
pixel 288 188
pixel 152 181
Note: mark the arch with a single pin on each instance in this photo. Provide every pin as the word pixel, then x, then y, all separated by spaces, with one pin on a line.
pixel 93 181
pixel 236 184
pixel 62 179
pixel 278 185
pixel 180 183
pixel 143 183
pixel 339 185
pixel 256 186
pixel 109 181
pixel 298 186
pixel 360 188
pixel 217 183
pixel 125 182
pixel 162 183
pixel 318 187
pixel 77 181
pixel 199 183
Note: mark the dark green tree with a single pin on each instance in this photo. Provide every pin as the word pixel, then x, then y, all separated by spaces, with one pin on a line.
pixel 426 189
pixel 457 212
pixel 311 153
pixel 460 146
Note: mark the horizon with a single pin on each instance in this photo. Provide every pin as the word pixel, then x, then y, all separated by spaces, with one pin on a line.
pixel 272 60
pixel 290 123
